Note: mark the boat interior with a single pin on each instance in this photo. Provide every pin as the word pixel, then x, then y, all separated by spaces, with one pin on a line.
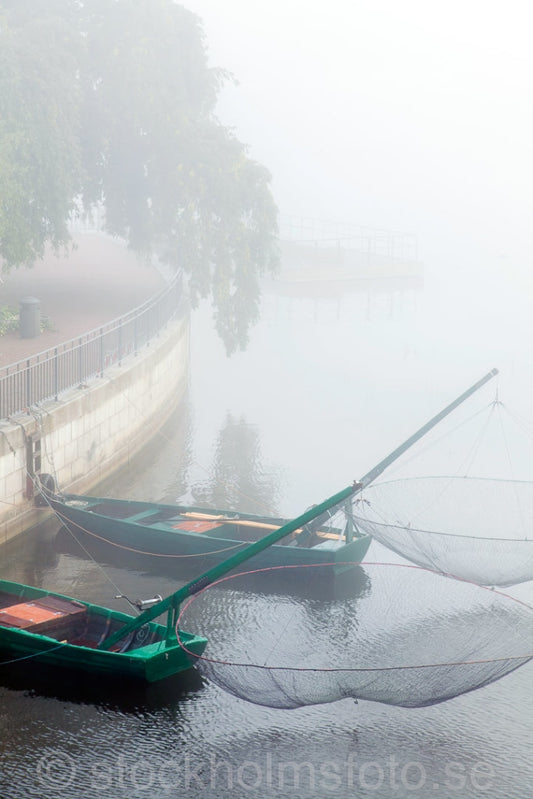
pixel 214 525
pixel 65 620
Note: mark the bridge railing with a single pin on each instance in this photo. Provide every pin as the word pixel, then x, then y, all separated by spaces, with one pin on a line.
pixel 47 374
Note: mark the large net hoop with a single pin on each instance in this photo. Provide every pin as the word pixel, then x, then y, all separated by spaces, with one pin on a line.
pixel 474 528
pixel 408 637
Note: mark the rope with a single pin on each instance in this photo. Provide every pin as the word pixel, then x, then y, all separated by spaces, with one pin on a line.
pixel 477 442
pixel 393 525
pixel 501 408
pixel 33 655
pixel 469 458
pixel 95 562
pixel 520 421
pixel 66 524
pixel 495 409
pixel 407 459
pixel 38 416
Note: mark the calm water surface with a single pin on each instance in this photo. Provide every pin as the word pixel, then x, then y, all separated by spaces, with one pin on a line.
pixel 333 380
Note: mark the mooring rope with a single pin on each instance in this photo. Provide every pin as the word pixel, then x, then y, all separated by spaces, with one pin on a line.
pixel 66 524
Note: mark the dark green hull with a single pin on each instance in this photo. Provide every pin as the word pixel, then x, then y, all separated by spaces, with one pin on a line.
pixel 88 623
pixel 158 530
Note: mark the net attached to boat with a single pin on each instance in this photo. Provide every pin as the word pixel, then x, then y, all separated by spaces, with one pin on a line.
pixel 406 637
pixel 473 528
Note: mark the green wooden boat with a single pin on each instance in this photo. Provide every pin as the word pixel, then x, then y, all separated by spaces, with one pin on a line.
pixel 183 533
pixel 43 627
pixel 57 630
pixel 60 631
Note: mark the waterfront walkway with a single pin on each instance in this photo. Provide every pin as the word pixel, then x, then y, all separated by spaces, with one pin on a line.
pixel 95 283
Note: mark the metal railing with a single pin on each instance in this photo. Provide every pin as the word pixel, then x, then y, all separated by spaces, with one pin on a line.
pixel 47 374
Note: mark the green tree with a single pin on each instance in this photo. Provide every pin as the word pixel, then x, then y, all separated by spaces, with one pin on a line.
pixel 40 159
pixel 125 117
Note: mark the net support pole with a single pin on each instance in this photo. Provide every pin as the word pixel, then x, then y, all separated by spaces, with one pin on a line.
pixel 172 602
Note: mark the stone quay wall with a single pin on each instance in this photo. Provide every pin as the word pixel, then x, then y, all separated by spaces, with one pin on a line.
pixel 92 431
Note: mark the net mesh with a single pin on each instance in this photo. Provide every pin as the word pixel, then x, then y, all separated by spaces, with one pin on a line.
pixel 407 637
pixel 472 528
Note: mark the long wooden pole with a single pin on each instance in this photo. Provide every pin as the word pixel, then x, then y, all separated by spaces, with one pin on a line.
pixel 374 473
pixel 173 601
pixel 212 574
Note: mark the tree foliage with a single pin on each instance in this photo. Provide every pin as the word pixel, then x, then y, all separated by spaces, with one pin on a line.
pixel 40 161
pixel 112 101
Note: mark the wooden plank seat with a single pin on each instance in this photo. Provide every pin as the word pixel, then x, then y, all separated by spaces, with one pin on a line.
pixel 250 523
pixel 46 616
pixel 190 526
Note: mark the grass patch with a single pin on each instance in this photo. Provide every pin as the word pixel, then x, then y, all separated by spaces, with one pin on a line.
pixel 9 320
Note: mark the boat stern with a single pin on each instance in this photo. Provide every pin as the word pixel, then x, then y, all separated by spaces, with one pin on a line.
pixel 161 660
pixel 343 556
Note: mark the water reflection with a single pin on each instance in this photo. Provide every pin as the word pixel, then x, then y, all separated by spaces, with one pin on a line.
pixel 160 470
pixel 329 389
pixel 250 620
pixel 375 298
pixel 114 694
pixel 237 478
pixel 279 581
pixel 28 558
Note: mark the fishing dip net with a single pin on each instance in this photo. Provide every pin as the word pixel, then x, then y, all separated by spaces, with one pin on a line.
pixel 473 528
pixel 406 637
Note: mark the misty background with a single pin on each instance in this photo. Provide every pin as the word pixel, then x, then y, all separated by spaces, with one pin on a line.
pixel 409 116
pixel 404 117
pixel 412 117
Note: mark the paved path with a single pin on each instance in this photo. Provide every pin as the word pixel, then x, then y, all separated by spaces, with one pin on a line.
pixel 93 284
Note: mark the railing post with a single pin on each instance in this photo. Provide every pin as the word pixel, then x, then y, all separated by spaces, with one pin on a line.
pixel 28 387
pixel 101 352
pixel 21 385
pixel 56 375
pixel 80 380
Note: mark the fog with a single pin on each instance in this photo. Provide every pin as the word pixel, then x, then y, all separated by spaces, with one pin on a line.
pixel 409 116
pixel 412 117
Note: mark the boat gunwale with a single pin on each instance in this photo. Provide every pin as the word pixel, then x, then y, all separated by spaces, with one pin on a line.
pixel 161 526
pixel 140 653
